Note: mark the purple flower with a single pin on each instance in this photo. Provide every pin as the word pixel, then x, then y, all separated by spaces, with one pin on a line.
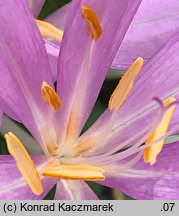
pixel 140 109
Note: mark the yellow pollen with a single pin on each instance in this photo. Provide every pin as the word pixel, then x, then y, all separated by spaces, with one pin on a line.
pixel 50 96
pixel 151 153
pixel 24 163
pixel 75 172
pixel 49 31
pixel 125 85
pixel 93 23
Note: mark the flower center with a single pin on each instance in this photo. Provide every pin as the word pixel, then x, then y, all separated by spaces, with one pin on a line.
pixel 68 170
pixel 86 172
pixel 51 169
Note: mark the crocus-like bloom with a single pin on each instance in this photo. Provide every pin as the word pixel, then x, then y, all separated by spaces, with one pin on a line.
pixel 140 109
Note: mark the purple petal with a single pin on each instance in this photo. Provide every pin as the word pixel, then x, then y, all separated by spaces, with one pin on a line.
pixel 155 22
pixel 158 78
pixel 74 190
pixel 1 115
pixel 59 17
pixel 23 66
pixel 53 52
pixel 29 142
pixel 174 122
pixel 36 6
pixel 159 182
pixel 73 55
pixel 12 184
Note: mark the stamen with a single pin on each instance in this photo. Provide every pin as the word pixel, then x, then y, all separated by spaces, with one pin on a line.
pixel 24 163
pixel 52 163
pixel 75 172
pixel 50 96
pixel 93 23
pixel 118 169
pixel 125 85
pixel 87 144
pixel 49 31
pixel 72 125
pixel 151 153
